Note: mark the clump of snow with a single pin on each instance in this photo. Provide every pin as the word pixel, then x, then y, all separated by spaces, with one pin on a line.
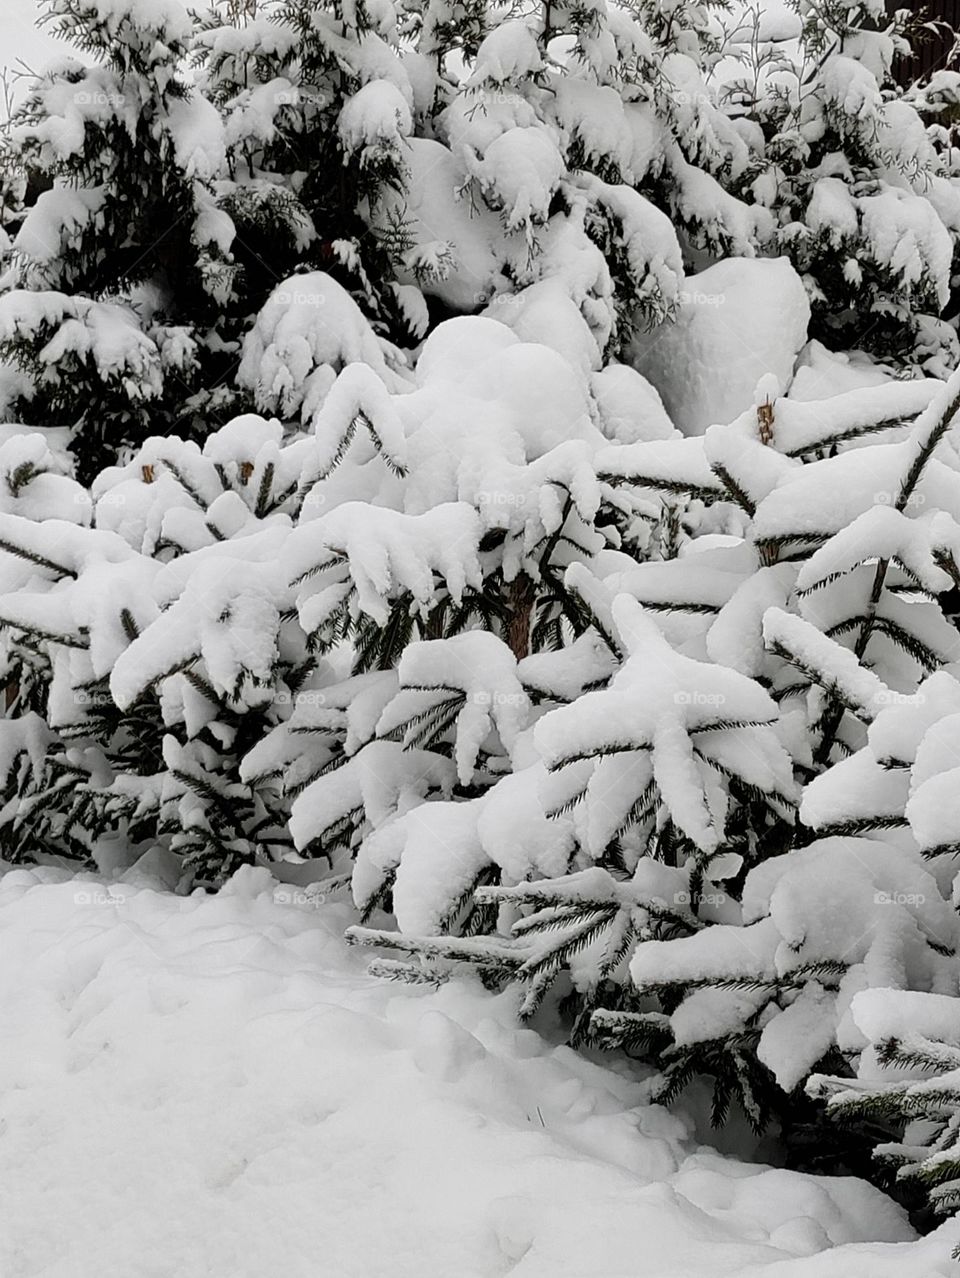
pixel 738 320
pixel 509 53
pixel 376 115
pixel 198 141
pixel 308 330
pixel 822 373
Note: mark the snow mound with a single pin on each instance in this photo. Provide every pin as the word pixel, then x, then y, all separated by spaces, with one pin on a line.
pixel 738 321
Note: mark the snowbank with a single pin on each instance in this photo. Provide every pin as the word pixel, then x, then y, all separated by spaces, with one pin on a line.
pixel 214 1086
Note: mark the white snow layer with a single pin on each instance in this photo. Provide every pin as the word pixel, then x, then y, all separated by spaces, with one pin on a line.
pixel 211 1086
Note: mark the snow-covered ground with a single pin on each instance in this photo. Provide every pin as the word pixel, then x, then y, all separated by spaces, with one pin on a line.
pixel 214 1086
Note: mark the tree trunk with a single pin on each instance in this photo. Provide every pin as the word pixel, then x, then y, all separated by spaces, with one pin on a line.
pixel 521 597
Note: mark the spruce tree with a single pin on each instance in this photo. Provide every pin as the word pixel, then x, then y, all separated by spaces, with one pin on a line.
pixel 122 266
pixel 859 178
pixel 905 1094
pixel 695 920
pixel 256 596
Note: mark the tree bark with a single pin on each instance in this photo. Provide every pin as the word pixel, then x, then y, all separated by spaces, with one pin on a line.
pixel 521 598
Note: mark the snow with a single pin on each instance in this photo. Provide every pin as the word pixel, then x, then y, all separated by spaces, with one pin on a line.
pixel 454 257
pixel 906 235
pixel 648 241
pixel 387 552
pixel 877 894
pixel 898 730
pixel 629 406
pixel 42 232
pixel 165 20
pixel 106 333
pixel 377 114
pixel 509 52
pixel 227 615
pixel 735 638
pixel 601 122
pixel 933 809
pixel 758 621
pixel 881 919
pixel 653 703
pixel 310 326
pixel 382 778
pixel 357 394
pixel 823 497
pixel 730 224
pixel 838 667
pixel 822 373
pixel 739 320
pixel 854 789
pixel 223 1062
pixel 441 860
pixel 799 1036
pixel 476 666
pixel 879 533
pixel 882 1014
pixel 518 175
pixel 198 141
pixel 804 420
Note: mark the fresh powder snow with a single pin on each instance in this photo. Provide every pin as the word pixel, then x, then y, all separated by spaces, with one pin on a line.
pixel 214 1085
